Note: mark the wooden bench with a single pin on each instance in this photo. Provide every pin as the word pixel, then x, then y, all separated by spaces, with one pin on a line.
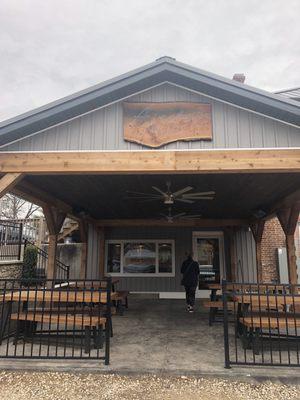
pixel 250 328
pixel 266 322
pixel 214 307
pixel 121 301
pixel 88 322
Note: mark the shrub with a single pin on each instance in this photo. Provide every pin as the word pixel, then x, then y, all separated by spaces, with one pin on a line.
pixel 29 263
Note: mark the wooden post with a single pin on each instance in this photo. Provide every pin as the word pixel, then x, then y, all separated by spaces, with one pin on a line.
pixel 288 219
pixel 101 252
pixel 8 181
pixel 55 220
pixel 233 264
pixel 51 265
pixel 83 229
pixel 257 229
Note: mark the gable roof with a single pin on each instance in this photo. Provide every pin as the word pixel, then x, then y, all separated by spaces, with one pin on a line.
pixel 293 93
pixel 164 69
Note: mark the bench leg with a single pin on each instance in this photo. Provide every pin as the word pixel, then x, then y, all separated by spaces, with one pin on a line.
pixel 6 311
pixel 120 307
pixel 98 337
pixel 126 302
pixel 17 334
pixel 256 341
pixel 212 315
pixel 87 339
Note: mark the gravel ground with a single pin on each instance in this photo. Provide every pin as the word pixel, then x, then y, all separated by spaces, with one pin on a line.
pixel 58 385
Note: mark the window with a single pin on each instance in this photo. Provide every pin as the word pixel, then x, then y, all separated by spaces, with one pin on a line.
pixel 140 257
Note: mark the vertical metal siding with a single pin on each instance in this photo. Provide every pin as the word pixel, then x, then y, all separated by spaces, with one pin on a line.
pixel 183 243
pixel 245 256
pixel 103 130
pixel 93 254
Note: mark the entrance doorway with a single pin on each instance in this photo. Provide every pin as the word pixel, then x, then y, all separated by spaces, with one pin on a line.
pixel 208 249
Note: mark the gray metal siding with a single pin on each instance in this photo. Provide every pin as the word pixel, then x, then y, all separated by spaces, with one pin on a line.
pixel 245 249
pixel 103 130
pixel 93 271
pixel 245 256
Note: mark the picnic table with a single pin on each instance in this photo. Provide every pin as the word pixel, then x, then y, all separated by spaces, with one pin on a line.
pixel 47 310
pixel 273 313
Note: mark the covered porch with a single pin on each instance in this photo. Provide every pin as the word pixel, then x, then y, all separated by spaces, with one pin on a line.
pixel 92 187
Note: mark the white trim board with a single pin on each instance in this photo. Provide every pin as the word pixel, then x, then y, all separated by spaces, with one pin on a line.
pixel 200 294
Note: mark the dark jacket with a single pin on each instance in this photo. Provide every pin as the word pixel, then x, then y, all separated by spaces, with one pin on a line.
pixel 190 271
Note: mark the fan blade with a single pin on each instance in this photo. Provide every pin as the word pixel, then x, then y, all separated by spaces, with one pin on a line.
pixel 185 201
pixel 198 198
pixel 160 191
pixel 142 194
pixel 179 215
pixel 143 197
pixel 184 190
pixel 192 216
pixel 199 194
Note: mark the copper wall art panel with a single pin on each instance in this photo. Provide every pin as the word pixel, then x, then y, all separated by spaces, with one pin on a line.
pixel 156 124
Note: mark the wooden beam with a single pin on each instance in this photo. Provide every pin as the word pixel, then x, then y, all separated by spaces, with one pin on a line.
pixel 40 195
pixel 232 253
pixel 101 232
pixel 152 161
pixel 201 223
pixel 8 181
pixel 51 264
pixel 83 230
pixel 54 219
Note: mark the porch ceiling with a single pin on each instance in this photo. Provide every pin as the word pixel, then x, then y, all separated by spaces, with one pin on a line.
pixel 104 196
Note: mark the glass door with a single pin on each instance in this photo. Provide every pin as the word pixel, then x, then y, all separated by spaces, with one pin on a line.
pixel 208 249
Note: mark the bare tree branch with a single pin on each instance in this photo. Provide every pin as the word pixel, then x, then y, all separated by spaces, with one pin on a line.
pixel 13 207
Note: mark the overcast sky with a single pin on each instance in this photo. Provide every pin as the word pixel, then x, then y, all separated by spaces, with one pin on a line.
pixel 52 48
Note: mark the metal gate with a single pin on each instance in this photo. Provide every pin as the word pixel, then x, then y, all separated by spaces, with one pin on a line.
pixel 261 324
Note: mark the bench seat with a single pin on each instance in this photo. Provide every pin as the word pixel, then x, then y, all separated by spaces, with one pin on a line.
pixel 72 319
pixel 270 322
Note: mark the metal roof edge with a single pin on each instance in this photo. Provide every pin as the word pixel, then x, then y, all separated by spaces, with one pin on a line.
pixel 164 64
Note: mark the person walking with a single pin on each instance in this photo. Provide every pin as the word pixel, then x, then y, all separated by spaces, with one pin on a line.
pixel 190 278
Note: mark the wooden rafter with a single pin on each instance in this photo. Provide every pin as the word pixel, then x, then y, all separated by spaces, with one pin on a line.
pixel 8 181
pixel 153 161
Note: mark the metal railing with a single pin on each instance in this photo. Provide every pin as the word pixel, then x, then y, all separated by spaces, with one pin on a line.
pixel 10 240
pixel 66 321
pixel 266 324
pixel 62 270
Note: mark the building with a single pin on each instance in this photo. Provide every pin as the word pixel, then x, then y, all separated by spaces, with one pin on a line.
pixel 129 157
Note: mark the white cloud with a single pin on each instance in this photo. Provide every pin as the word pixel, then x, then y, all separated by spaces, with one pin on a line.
pixel 53 48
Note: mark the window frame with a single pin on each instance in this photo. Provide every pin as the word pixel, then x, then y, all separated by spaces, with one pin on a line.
pixel 132 274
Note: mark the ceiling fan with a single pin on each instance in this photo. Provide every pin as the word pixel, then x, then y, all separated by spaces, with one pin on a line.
pixel 170 218
pixel 169 197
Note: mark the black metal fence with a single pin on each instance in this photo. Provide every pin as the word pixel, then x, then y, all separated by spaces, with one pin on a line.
pixel 261 324
pixel 66 321
pixel 10 240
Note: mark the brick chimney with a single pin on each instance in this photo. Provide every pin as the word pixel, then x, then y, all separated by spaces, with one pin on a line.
pixel 239 78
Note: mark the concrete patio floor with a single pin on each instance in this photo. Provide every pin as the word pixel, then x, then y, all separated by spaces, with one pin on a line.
pixel 158 336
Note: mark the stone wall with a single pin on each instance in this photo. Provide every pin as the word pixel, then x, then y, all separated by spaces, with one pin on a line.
pixel 10 270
